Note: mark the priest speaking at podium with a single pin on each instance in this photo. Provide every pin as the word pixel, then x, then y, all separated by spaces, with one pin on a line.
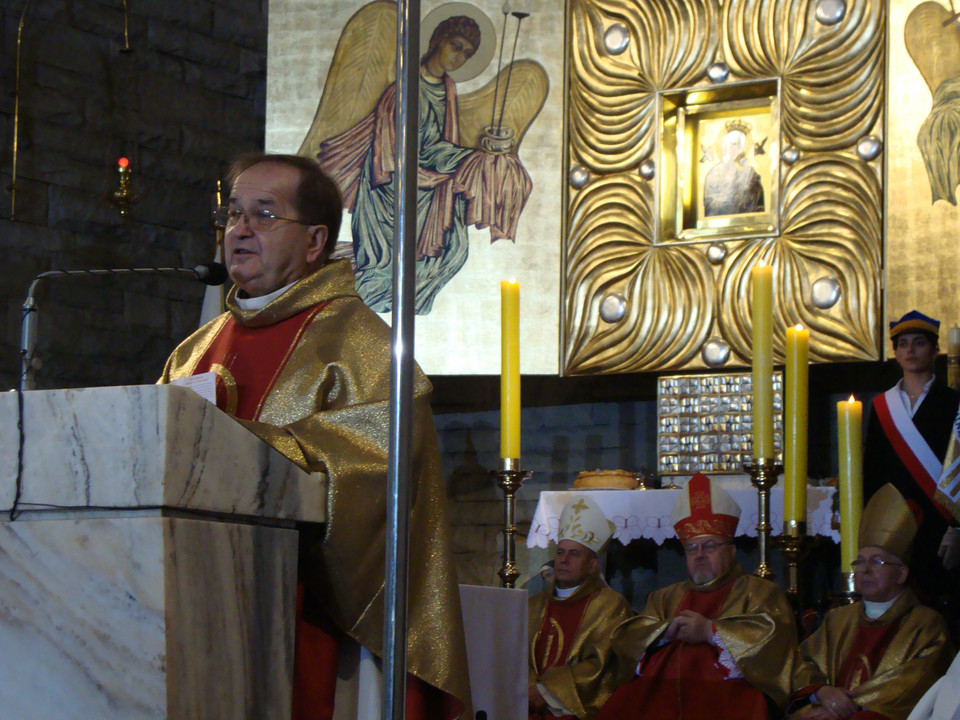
pixel 302 363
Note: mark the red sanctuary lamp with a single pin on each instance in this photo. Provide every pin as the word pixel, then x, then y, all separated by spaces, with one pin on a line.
pixel 123 197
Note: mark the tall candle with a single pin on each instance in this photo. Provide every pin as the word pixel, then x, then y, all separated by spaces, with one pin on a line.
pixel 849 414
pixel 795 425
pixel 509 369
pixel 763 361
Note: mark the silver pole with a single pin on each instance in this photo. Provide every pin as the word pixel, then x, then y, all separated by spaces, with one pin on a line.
pixel 401 365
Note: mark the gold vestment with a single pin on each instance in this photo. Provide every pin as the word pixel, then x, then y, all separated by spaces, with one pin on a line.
pixel 585 682
pixel 916 657
pixel 755 623
pixel 328 411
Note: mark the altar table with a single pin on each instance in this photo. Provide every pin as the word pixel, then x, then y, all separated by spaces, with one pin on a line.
pixel 646 513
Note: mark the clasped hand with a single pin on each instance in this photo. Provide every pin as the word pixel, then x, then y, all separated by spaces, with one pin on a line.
pixel 690 627
pixel 833 704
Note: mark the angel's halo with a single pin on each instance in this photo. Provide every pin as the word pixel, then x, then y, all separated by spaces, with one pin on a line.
pixel 488 37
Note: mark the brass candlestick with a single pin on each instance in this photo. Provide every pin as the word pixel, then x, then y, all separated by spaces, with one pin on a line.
pixel 123 197
pixel 793 545
pixel 510 479
pixel 763 474
pixel 847 594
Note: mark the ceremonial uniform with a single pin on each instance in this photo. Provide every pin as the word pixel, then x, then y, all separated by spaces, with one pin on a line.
pixel 721 645
pixel 905 445
pixel 309 374
pixel 887 663
pixel 570 652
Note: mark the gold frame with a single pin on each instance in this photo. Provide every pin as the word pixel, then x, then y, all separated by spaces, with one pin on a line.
pixel 631 303
pixel 683 116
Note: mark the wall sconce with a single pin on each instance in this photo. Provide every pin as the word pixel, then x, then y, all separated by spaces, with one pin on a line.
pixel 123 197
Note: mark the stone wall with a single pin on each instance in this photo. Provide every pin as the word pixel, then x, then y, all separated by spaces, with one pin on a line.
pixel 558 442
pixel 187 97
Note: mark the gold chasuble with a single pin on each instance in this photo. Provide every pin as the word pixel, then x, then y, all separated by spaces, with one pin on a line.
pixel 570 644
pixel 310 374
pixel 887 663
pixel 745 669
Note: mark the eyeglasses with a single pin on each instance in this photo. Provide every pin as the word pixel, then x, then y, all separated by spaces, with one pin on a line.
pixel 709 547
pixel 873 562
pixel 261 220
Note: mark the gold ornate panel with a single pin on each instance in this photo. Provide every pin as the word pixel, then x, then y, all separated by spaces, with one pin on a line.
pixel 632 302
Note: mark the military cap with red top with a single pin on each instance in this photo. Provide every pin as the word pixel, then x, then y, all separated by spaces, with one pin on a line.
pixel 914 321
pixel 704 508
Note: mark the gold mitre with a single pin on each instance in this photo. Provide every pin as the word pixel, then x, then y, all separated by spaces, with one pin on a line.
pixel 888 522
pixel 583 521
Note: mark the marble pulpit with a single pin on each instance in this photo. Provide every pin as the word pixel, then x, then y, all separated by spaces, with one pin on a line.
pixel 151 572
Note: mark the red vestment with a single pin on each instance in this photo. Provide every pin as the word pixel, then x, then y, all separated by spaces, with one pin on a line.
pixel 559 627
pixel 304 350
pixel 680 681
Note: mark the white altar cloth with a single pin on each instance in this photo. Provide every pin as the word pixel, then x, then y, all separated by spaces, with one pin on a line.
pixel 646 513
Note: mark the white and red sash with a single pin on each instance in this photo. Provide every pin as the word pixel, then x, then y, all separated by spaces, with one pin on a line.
pixel 914 452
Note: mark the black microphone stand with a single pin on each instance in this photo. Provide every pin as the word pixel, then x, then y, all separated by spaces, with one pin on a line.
pixel 208 273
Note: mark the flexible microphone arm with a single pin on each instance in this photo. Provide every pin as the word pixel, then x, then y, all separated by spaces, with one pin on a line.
pixel 212 273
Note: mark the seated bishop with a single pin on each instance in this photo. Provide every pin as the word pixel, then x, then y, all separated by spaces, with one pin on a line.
pixel 570 621
pixel 874 659
pixel 719 645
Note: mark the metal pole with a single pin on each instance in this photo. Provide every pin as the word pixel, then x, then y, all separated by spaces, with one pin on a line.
pixel 401 365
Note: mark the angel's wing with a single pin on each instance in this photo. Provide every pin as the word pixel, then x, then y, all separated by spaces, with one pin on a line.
pixel 528 90
pixel 362 68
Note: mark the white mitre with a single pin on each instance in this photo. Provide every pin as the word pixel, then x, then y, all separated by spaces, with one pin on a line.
pixel 583 522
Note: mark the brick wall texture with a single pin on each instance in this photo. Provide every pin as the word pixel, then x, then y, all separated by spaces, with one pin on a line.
pixel 557 443
pixel 188 97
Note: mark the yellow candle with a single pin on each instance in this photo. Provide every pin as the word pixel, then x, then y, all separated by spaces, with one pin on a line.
pixel 509 369
pixel 849 414
pixel 763 362
pixel 795 425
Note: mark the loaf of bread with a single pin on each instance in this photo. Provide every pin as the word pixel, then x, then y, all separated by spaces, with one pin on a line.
pixel 609 479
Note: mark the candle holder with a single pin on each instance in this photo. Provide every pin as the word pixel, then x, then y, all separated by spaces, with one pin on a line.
pixel 510 479
pixel 847 594
pixel 763 474
pixel 124 196
pixel 793 544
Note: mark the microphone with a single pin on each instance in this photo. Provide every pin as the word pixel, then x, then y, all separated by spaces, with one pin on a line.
pixel 211 273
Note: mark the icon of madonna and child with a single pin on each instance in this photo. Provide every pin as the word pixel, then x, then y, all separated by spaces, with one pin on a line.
pixel 469 173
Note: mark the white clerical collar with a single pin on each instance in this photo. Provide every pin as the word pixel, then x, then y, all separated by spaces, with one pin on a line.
pixel 873 610
pixel 564 593
pixel 258 303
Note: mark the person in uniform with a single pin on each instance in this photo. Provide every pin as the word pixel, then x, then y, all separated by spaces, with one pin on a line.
pixel 874 659
pixel 570 621
pixel 907 436
pixel 304 365
pixel 720 645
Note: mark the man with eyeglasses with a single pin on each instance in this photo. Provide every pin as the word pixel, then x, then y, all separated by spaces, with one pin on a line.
pixel 302 363
pixel 572 671
pixel 874 659
pixel 720 645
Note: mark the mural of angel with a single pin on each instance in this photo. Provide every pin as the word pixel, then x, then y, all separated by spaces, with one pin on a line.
pixel 469 172
pixel 932 37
